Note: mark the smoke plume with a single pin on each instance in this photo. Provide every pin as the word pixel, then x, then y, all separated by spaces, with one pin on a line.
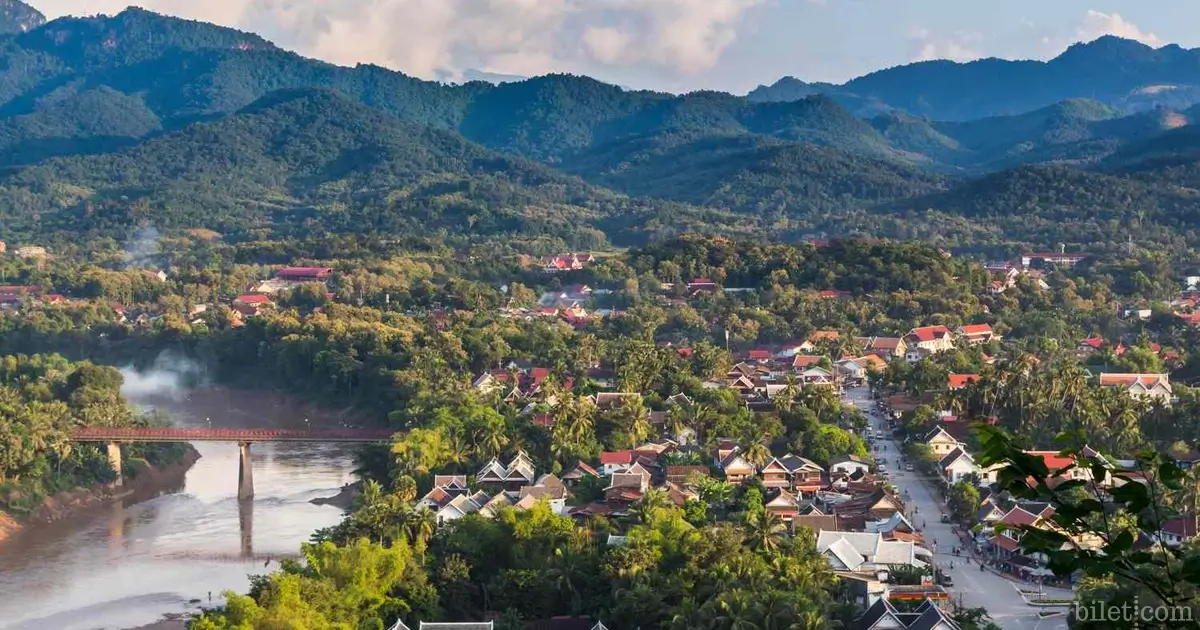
pixel 142 248
pixel 168 378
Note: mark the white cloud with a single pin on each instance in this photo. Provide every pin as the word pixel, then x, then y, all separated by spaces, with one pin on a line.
pixel 1096 24
pixel 431 38
pixel 957 47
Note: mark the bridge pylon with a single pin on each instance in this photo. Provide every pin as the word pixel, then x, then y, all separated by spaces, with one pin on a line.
pixel 114 460
pixel 245 472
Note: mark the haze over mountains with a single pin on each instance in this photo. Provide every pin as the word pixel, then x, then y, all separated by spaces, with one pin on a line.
pixel 109 122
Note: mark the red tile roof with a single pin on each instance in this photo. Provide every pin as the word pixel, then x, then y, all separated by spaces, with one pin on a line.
pixel 1052 459
pixel 929 333
pixel 616 457
pixel 253 298
pixel 1183 526
pixel 804 360
pixel 977 329
pixel 1148 380
pixel 1093 342
pixel 824 335
pixel 958 381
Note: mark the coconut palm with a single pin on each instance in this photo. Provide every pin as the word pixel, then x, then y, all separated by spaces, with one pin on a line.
pixel 651 502
pixel 766 530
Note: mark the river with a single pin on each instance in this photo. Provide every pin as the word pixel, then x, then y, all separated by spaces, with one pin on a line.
pixel 119 566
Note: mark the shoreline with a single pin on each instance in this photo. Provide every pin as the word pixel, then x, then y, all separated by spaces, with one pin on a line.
pixel 64 505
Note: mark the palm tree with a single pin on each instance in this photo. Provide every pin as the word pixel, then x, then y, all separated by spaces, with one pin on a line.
pixel 765 532
pixel 371 494
pixel 736 611
pixel 652 501
pixel 419 525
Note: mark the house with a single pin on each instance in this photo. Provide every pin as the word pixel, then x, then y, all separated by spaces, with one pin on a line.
pixel 473 625
pixel 775 474
pixel 940 442
pixel 299 275
pixel 869 507
pixel 958 465
pixel 1178 530
pixel 886 347
pixel 960 381
pixel 927 340
pixel 802 362
pixel 581 471
pixel 1090 345
pixel 614 462
pixel 736 468
pixel 680 474
pixel 519 472
pixel 253 299
pixel 806 475
pixel 1152 387
pixel 817 338
pixel 1062 259
pixel 988 513
pixel 627 487
pixel 975 334
pixel 461 506
pixel 818 376
pixel 848 465
pixel 883 615
pixel 785 505
pixel 851 370
pixel 864 551
pixel 701 285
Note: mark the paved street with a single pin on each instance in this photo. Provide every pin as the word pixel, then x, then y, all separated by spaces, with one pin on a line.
pixel 976 588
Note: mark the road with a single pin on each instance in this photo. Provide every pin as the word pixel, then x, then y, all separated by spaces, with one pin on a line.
pixel 976 588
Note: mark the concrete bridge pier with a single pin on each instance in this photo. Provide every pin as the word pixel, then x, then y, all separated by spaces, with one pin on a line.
pixel 114 460
pixel 246 526
pixel 245 472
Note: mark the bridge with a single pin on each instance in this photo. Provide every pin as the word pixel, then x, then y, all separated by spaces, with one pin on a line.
pixel 114 436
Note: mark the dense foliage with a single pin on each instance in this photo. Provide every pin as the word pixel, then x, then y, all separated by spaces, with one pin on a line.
pixel 42 398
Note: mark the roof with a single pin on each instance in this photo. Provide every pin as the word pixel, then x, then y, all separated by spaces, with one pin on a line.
pixel 1093 342
pixel 1054 462
pixel 883 343
pixel 304 271
pixel 816 522
pixel 469 625
pixel 952 457
pixel 1018 516
pixel 882 609
pixel 957 381
pixel 253 298
pixel 616 457
pixel 805 360
pixel 929 333
pixel 1183 526
pixel 934 619
pixel 1129 380
pixel 872 362
pixel 581 470
pixel 824 335
pixel 977 329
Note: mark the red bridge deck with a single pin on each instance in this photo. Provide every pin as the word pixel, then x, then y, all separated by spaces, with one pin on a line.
pixel 171 434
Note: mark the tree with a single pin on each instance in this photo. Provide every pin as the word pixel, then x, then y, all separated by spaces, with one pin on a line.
pixel 963 497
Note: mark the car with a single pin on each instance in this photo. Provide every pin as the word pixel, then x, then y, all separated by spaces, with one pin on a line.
pixel 945 518
pixel 908 467
pixel 944 579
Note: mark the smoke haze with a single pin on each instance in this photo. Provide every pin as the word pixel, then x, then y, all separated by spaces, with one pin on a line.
pixel 168 378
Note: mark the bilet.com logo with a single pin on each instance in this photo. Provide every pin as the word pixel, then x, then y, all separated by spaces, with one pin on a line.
pixel 1132 614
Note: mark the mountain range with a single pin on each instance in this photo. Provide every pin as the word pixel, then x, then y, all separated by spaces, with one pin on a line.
pixel 108 122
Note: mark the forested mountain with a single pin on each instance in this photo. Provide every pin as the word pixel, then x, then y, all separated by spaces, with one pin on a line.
pixel 110 122
pixel 304 160
pixel 1119 72
pixel 18 17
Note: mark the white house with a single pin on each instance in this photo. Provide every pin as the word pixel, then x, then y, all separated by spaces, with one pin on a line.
pixel 941 442
pixel 958 465
pixel 849 465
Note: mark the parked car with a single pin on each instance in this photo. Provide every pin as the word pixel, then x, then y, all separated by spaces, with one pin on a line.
pixel 908 467
pixel 945 518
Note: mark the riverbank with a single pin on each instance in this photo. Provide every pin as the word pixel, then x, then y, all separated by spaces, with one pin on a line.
pixel 150 480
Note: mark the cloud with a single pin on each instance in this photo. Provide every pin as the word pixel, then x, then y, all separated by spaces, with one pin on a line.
pixel 443 38
pixel 1096 24
pixel 957 47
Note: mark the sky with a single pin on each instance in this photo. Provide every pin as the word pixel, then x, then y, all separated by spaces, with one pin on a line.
pixel 674 45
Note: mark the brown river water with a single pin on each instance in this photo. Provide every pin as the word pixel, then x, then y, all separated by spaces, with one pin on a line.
pixel 122 565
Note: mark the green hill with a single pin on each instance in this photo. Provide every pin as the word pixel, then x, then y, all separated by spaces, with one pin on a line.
pixel 303 162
